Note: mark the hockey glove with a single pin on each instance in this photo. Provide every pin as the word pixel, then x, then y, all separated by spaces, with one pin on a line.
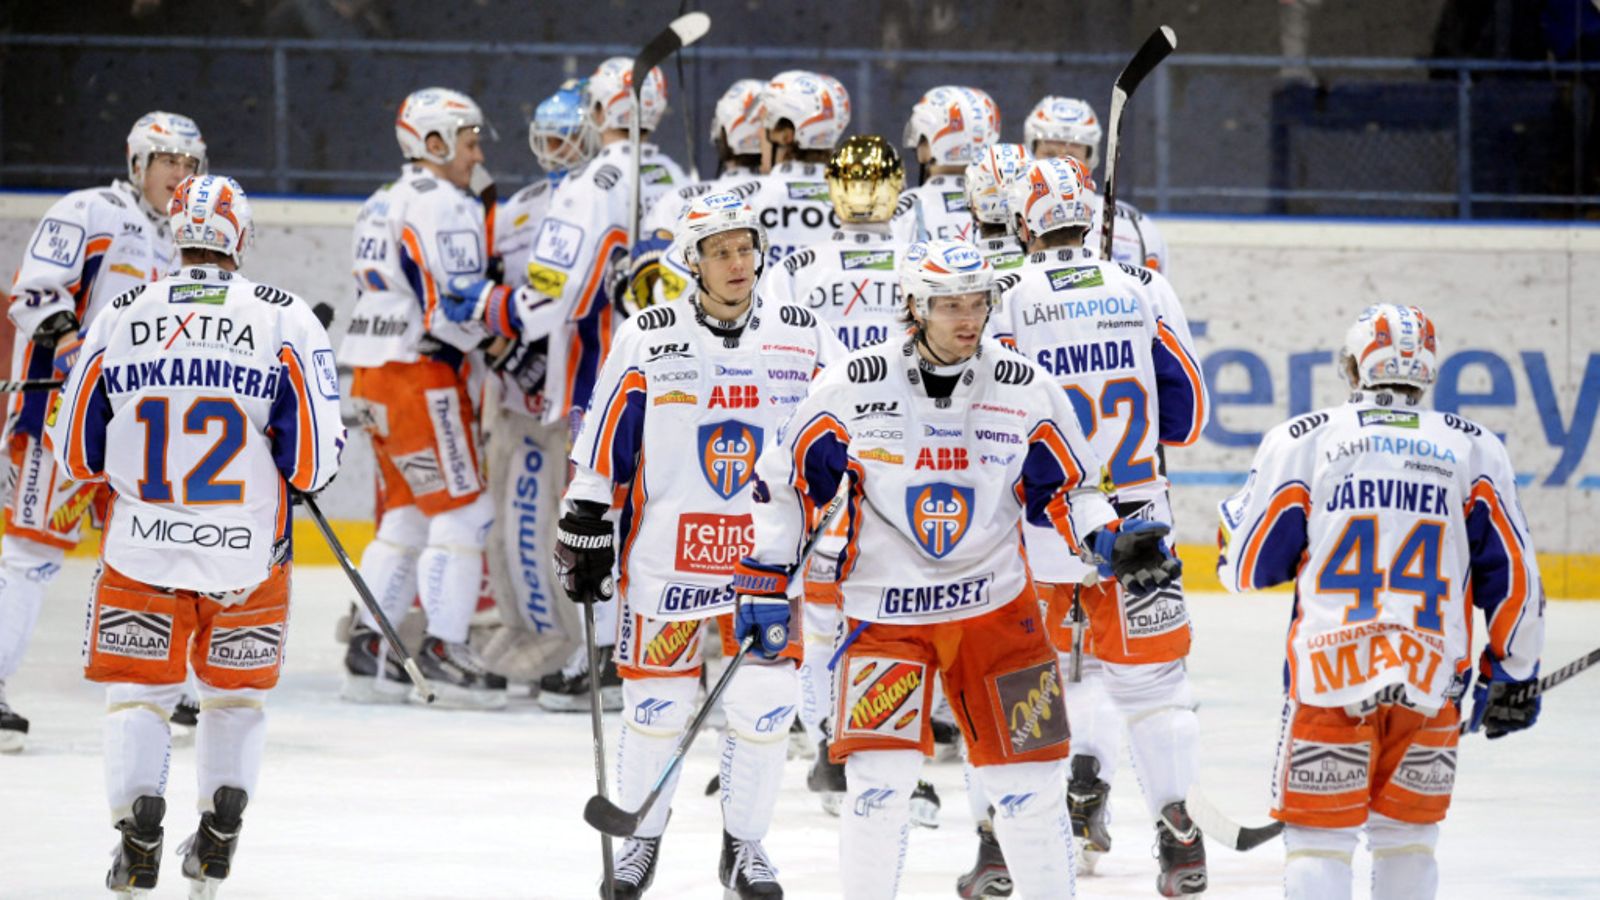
pixel 765 616
pixel 470 299
pixel 644 270
pixel 525 363
pixel 1495 707
pixel 584 553
pixel 53 327
pixel 1134 553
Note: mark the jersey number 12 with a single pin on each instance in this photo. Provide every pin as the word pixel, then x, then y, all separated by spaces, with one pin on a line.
pixel 200 486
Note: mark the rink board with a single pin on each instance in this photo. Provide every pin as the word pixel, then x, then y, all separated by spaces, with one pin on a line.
pixel 1269 301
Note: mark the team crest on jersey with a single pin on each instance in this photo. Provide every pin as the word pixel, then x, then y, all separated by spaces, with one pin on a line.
pixel 728 452
pixel 939 514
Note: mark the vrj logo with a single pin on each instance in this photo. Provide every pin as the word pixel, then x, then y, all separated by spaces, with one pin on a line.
pixel 939 515
pixel 728 452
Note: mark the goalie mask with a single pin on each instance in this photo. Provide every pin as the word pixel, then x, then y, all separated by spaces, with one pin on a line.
pixel 559 134
pixel 438 111
pixel 865 178
pixel 611 88
pixel 1392 345
pixel 989 179
pixel 163 132
pixel 1065 119
pixel 211 212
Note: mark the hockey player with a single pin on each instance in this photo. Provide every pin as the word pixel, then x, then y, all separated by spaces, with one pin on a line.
pixel 1392 522
pixel 1116 340
pixel 1066 126
pixel 527 455
pixel 944 442
pixel 726 371
pixel 987 183
pixel 231 390
pixel 803 117
pixel 948 128
pixel 411 238
pixel 91 246
pixel 582 238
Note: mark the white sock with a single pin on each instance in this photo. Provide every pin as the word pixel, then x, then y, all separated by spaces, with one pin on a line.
pixel 977 796
pixel 875 818
pixel 1163 732
pixel 760 706
pixel 450 568
pixel 654 713
pixel 816 682
pixel 390 569
pixel 1317 862
pixel 137 743
pixel 229 739
pixel 1096 721
pixel 1403 864
pixel 1033 826
pixel 26 569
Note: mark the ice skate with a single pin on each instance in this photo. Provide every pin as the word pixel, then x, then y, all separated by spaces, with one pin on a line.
pixel 925 805
pixel 1086 798
pixel 568 689
pixel 1182 850
pixel 989 876
pixel 13 728
pixel 746 871
pixel 136 862
pixel 459 677
pixel 636 868
pixel 362 683
pixel 826 779
pixel 208 853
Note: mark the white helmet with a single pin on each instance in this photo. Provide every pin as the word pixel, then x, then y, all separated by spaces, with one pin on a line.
pixel 1392 345
pixel 954 122
pixel 737 117
pixel 211 212
pixel 816 105
pixel 1065 119
pixel 712 214
pixel 560 118
pixel 989 178
pixel 163 132
pixel 989 107
pixel 438 111
pixel 1049 195
pixel 940 268
pixel 611 87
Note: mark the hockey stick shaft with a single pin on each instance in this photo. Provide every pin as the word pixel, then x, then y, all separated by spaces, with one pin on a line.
pixel 683 31
pixel 29 387
pixel 1156 48
pixel 1216 824
pixel 1537 689
pixel 389 634
pixel 590 641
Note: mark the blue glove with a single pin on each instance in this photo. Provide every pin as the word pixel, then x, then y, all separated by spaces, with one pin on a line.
pixel 1496 707
pixel 468 298
pixel 1134 553
pixel 766 617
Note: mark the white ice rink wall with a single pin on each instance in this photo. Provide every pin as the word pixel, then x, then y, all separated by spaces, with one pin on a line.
pixel 1518 308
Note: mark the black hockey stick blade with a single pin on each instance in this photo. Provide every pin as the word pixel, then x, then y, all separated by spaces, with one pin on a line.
pixel 1216 825
pixel 1157 47
pixel 609 818
pixel 683 31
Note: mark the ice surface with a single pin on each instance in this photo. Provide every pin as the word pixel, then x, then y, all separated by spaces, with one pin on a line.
pixel 364 802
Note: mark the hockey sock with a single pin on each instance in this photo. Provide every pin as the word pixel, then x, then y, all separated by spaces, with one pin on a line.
pixel 137 743
pixel 229 739
pixel 1403 864
pixel 450 569
pixel 1317 862
pixel 389 564
pixel 977 797
pixel 1163 731
pixel 1096 721
pixel 816 682
pixel 876 816
pixel 26 569
pixel 1033 827
pixel 654 713
pixel 759 704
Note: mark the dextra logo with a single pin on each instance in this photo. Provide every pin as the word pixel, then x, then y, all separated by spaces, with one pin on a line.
pixel 939 514
pixel 728 452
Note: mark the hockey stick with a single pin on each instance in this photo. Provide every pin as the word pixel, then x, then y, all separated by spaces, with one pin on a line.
pixel 589 640
pixel 689 116
pixel 389 634
pixel 612 819
pixel 29 387
pixel 1215 824
pixel 1529 691
pixel 1156 48
pixel 683 31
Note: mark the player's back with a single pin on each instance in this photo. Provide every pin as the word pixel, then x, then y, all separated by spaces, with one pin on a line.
pixel 193 395
pixel 793 203
pixel 849 281
pixel 935 210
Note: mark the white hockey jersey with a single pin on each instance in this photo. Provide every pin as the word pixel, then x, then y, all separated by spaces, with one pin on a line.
pixel 222 394
pixel 1135 239
pixel 1388 519
pixel 671 386
pixel 585 225
pixel 90 246
pixel 1004 253
pixel 519 221
pixel 1115 338
pixel 935 209
pixel 794 205
pixel 411 237
pixel 849 281
pixel 935 488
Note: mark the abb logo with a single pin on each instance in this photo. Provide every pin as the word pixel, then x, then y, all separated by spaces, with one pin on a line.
pixel 943 459
pixel 735 396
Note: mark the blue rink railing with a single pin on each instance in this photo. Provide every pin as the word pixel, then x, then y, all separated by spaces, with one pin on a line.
pixel 1158 145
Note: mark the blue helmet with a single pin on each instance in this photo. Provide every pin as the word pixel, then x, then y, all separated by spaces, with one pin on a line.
pixel 560 134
